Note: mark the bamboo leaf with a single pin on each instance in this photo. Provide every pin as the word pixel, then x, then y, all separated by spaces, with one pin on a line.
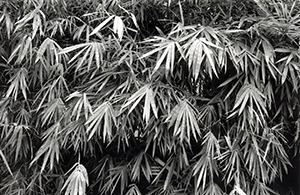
pixel 18 83
pixel 183 119
pixel 5 162
pixel 149 102
pixel 133 190
pixel 153 51
pixel 135 99
pixel 101 122
pixel 118 27
pixel 161 59
pixel 77 181
pixel 91 51
pixel 239 190
pixel 53 111
pixel 50 147
pixel 169 176
pixel 98 28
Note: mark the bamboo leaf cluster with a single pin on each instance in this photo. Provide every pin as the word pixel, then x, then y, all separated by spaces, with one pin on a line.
pixel 148 97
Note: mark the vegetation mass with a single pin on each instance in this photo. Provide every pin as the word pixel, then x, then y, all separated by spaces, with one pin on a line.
pixel 148 97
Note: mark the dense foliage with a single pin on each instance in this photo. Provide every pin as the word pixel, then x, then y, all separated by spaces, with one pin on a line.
pixel 159 97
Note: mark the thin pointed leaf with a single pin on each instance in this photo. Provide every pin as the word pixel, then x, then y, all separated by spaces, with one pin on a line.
pixel 98 28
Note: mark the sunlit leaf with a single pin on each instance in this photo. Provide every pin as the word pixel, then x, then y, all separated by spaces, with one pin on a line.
pixel 118 27
pixel 77 181
pixel 17 140
pixel 18 83
pixel 50 147
pixel 48 53
pixel 53 111
pixel 5 162
pixel 23 50
pixel 166 52
pixel 213 189
pixel 118 175
pixel 52 90
pixel 81 104
pixel 200 54
pixel 87 54
pixel 101 122
pixel 38 19
pixel 134 100
pixel 246 96
pixel 141 164
pixel 98 28
pixel 133 190
pixel 8 22
pixel 183 119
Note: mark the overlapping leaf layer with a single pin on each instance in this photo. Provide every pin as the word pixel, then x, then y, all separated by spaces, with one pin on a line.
pixel 148 97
